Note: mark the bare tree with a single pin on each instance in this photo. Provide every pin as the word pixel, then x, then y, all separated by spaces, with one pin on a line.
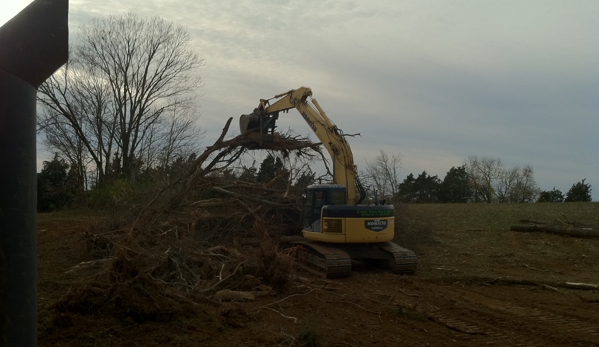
pixel 173 136
pixel 492 182
pixel 483 173
pixel 382 176
pixel 127 94
pixel 506 183
pixel 75 118
pixel 525 189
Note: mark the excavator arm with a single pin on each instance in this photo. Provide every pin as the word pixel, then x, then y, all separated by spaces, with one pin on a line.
pixel 264 116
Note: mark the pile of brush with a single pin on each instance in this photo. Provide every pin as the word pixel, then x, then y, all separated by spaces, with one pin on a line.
pixel 199 238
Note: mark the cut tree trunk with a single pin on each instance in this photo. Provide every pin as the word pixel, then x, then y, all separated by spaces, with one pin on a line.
pixel 577 232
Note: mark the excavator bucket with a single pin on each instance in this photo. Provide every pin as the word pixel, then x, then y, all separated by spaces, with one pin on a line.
pixel 249 122
pixel 259 127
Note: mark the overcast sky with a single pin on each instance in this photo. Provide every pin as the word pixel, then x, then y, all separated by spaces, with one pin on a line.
pixel 435 81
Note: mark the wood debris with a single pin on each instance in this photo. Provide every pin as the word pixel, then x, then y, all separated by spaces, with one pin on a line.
pixel 183 245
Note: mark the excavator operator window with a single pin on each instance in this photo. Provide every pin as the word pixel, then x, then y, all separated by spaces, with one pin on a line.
pixel 307 218
pixel 337 197
pixel 315 200
pixel 320 199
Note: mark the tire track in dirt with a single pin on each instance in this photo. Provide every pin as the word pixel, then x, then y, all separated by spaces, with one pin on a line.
pixel 475 330
pixel 547 325
pixel 482 333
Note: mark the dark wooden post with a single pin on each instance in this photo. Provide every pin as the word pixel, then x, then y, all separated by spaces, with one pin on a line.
pixel 33 45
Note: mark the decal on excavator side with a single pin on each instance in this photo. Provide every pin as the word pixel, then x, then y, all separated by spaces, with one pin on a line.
pixel 376 224
pixel 309 121
pixel 374 213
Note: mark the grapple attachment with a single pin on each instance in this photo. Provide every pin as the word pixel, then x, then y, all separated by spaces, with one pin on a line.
pixel 260 127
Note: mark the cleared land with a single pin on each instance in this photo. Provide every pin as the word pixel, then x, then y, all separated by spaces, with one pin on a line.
pixel 478 284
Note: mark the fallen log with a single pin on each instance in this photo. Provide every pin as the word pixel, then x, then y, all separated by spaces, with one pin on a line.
pixel 545 284
pixel 588 286
pixel 532 221
pixel 577 232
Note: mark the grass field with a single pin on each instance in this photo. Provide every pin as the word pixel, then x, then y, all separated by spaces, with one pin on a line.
pixel 497 216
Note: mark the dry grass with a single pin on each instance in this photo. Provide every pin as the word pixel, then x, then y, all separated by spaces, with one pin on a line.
pixel 419 225
pixel 491 217
pixel 475 239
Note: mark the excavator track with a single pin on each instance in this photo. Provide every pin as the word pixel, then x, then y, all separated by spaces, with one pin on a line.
pixel 406 261
pixel 323 259
pixel 335 260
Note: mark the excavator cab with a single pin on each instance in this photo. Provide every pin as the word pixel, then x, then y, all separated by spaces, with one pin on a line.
pixel 318 196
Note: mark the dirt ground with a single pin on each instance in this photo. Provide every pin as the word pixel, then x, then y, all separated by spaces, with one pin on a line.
pixel 474 286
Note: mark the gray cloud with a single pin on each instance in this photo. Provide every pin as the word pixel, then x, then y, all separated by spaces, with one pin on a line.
pixel 436 81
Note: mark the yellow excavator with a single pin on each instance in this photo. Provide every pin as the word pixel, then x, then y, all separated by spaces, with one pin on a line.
pixel 338 230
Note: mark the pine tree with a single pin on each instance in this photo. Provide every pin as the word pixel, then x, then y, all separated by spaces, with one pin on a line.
pixel 554 195
pixel 580 192
pixel 269 168
pixel 55 186
pixel 456 186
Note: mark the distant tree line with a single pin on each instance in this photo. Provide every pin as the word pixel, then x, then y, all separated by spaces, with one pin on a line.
pixel 59 185
pixel 477 180
pixel 580 191
pixel 293 173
